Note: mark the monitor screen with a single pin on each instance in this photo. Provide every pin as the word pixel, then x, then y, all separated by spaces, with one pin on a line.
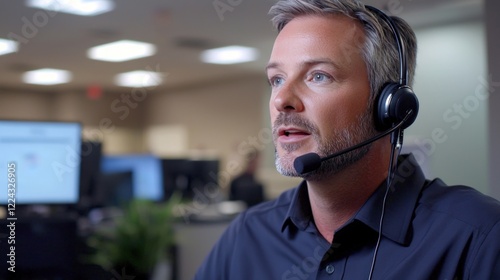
pixel 146 171
pixel 44 160
pixel 114 189
pixel 190 177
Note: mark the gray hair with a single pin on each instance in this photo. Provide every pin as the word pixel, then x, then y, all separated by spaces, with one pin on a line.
pixel 379 51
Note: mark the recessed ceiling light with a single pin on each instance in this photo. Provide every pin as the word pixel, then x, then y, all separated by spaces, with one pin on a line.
pixel 8 46
pixel 229 55
pixel 76 7
pixel 47 76
pixel 121 51
pixel 138 79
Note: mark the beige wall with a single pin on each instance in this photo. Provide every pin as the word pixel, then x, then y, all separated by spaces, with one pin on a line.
pixel 64 106
pixel 23 105
pixel 218 116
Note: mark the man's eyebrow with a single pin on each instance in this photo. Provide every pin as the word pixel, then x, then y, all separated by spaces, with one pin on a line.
pixel 307 63
pixel 327 61
pixel 272 65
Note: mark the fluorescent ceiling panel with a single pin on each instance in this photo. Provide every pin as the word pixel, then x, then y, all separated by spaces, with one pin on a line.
pixel 8 46
pixel 229 55
pixel 138 79
pixel 76 7
pixel 47 76
pixel 121 51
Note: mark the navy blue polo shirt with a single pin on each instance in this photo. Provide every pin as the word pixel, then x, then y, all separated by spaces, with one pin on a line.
pixel 430 231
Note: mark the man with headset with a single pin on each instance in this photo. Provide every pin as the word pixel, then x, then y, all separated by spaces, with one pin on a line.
pixel 340 75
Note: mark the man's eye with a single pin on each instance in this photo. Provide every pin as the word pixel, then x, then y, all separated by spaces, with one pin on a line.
pixel 276 81
pixel 320 77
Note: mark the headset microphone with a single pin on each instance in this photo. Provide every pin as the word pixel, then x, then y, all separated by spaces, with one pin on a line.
pixel 312 161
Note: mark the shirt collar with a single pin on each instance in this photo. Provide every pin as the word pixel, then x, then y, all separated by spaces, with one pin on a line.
pixel 402 198
pixel 299 212
pixel 401 201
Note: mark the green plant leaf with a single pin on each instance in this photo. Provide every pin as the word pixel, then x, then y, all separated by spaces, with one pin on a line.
pixel 140 238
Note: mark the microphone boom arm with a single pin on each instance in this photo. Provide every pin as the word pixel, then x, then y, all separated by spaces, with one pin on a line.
pixel 311 159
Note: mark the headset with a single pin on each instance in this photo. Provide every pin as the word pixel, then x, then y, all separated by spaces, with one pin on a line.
pixel 395 99
pixel 396 106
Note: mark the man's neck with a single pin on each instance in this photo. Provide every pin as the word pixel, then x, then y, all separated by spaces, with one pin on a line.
pixel 335 200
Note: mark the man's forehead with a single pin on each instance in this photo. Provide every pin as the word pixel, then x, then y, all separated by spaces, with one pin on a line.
pixel 318 40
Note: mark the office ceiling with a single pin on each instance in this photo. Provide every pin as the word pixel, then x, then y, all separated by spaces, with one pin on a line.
pixel 180 29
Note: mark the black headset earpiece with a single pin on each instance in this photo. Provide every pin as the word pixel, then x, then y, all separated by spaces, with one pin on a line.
pixel 395 100
pixel 393 104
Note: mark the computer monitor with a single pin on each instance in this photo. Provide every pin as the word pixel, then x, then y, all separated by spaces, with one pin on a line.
pixel 146 173
pixel 114 189
pixel 44 161
pixel 91 153
pixel 191 177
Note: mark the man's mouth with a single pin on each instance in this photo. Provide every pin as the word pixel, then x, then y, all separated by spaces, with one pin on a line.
pixel 288 132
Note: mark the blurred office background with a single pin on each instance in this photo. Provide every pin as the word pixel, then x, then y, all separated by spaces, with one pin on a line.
pixel 186 111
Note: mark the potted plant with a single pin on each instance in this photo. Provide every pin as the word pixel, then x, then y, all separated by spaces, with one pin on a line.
pixel 138 241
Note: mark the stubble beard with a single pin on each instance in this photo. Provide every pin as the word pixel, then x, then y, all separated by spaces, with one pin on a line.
pixel 360 131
